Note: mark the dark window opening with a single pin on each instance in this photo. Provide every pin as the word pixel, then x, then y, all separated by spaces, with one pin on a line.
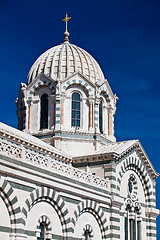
pixel 44 112
pixel 42 232
pixel 101 117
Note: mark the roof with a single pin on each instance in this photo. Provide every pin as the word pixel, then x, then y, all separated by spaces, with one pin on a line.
pixel 115 151
pixel 63 60
pixel 29 141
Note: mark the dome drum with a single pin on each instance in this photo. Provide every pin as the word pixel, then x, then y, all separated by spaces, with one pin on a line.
pixel 50 110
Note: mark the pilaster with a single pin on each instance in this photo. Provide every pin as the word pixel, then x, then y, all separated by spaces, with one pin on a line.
pixel 96 115
pixel 58 113
pixel 114 232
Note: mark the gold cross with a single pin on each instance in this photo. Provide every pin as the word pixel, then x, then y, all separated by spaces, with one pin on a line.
pixel 66 19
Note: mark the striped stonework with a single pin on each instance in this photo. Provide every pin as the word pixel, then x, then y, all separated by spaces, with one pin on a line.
pixel 151 231
pixel 46 223
pixel 87 229
pixel 44 219
pixel 53 198
pixel 96 116
pixel 133 163
pixel 58 114
pixel 11 202
pixel 41 83
pixel 93 208
pixel 104 91
pixel 114 223
pixel 110 173
pixel 80 82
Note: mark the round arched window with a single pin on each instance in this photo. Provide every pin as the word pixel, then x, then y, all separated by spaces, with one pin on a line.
pixel 76 110
pixel 101 116
pixel 44 112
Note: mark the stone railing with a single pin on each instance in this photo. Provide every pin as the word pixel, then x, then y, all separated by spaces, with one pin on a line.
pixel 43 160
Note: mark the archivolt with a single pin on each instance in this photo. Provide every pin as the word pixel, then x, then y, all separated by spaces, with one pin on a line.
pixel 52 197
pixel 93 208
pixel 132 163
pixel 11 202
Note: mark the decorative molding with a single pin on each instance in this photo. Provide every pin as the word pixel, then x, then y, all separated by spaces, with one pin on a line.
pixel 42 159
pixel 93 208
pixel 55 200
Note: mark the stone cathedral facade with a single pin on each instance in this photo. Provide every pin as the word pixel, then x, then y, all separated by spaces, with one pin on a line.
pixel 63 175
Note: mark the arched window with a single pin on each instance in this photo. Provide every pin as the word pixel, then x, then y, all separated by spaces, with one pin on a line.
pixel 42 232
pixel 75 119
pixel 44 112
pixel 87 233
pixel 101 116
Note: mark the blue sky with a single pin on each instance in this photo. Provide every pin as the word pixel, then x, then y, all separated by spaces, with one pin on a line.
pixel 123 36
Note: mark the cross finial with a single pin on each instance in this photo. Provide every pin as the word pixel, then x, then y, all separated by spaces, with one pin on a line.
pixel 66 19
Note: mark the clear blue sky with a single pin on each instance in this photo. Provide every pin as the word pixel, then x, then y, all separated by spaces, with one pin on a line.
pixel 123 36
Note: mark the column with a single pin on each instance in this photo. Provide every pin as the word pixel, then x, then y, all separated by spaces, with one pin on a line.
pixel 105 122
pixel 139 230
pixel 36 116
pixel 62 111
pixel 132 225
pixel 51 112
pixel 90 115
pixel 96 115
pixel 58 113
pixel 29 122
pixel 110 122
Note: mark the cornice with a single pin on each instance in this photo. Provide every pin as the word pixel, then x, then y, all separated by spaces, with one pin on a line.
pixel 113 156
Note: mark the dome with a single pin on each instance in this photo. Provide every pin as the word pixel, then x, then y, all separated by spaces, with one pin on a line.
pixel 62 61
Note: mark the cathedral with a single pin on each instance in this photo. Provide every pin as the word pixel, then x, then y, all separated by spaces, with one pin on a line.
pixel 63 175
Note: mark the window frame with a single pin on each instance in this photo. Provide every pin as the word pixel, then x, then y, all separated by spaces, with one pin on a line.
pixel 41 120
pixel 101 117
pixel 75 110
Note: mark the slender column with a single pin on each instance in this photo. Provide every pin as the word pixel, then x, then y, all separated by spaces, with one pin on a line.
pixel 139 230
pixel 58 113
pixel 29 115
pixel 96 115
pixel 53 112
pixel 105 117
pixel 62 111
pixel 132 225
pixel 110 122
pixel 90 114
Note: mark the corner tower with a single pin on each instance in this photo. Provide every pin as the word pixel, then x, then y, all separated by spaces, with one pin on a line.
pixel 67 102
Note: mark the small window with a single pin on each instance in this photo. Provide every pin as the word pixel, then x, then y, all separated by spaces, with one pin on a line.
pixel 101 116
pixel 44 112
pixel 75 118
pixel 42 232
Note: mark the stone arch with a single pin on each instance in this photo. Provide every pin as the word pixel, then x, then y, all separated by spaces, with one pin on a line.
pixel 42 83
pixel 93 208
pixel 79 88
pixel 43 89
pixel 53 198
pixel 134 164
pixel 88 228
pixel 11 202
pixel 105 96
pixel 104 91
pixel 47 222
pixel 78 82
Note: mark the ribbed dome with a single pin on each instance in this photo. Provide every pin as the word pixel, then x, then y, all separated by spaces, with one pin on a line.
pixel 63 60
